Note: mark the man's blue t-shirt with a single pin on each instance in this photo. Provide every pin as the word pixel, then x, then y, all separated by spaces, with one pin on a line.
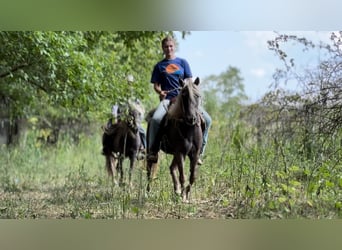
pixel 167 74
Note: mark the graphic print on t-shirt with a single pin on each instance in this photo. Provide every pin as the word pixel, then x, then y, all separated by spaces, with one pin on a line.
pixel 172 68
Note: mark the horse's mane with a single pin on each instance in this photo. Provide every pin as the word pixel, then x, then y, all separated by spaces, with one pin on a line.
pixel 176 110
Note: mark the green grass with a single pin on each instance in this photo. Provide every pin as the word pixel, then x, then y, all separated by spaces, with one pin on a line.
pixel 237 180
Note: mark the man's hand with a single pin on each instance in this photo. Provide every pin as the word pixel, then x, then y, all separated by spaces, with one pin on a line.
pixel 162 94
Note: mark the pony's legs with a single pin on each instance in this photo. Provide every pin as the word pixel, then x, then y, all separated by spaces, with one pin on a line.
pixel 152 170
pixel 120 170
pixel 148 170
pixel 181 172
pixel 178 183
pixel 150 173
pixel 192 177
pixel 131 167
pixel 110 165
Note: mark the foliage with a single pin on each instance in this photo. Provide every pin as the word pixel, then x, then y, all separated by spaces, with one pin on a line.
pixel 81 71
pixel 310 115
pixel 73 76
pixel 239 179
pixel 273 159
pixel 223 93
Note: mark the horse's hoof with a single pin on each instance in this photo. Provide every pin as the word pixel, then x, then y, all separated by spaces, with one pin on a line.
pixel 185 198
pixel 178 192
pixel 140 156
pixel 115 183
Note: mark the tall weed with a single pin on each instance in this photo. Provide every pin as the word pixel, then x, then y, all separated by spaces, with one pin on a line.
pixel 240 178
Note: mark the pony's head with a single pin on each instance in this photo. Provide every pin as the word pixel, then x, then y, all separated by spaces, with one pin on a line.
pixel 130 116
pixel 187 102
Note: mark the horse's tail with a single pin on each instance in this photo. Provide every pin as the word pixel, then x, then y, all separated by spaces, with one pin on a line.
pixel 106 142
pixel 107 138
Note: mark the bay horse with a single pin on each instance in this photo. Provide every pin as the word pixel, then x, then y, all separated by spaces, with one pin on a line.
pixel 121 140
pixel 180 135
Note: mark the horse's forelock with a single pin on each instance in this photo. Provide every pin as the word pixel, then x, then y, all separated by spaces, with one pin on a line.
pixel 193 90
pixel 176 109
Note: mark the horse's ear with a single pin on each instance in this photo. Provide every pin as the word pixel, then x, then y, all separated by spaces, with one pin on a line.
pixel 197 81
pixel 181 82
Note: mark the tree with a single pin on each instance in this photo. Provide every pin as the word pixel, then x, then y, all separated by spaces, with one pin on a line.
pixel 224 92
pixel 79 74
pixel 314 110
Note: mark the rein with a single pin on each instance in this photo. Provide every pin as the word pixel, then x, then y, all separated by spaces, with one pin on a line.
pixel 171 90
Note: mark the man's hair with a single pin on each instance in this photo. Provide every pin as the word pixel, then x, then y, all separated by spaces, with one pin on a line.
pixel 168 39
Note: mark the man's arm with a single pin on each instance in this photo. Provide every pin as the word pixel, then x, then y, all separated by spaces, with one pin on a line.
pixel 160 92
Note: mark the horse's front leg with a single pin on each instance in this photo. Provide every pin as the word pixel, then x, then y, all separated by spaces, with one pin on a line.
pixel 150 169
pixel 178 183
pixel 131 168
pixel 193 173
pixel 110 165
pixel 120 169
pixel 182 177
pixel 181 172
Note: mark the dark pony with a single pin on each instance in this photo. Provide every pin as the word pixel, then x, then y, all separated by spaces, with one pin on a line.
pixel 121 140
pixel 180 135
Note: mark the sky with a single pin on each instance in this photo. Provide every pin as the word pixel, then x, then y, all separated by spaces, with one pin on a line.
pixel 212 52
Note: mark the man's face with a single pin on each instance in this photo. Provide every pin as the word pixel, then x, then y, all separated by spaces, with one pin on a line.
pixel 169 49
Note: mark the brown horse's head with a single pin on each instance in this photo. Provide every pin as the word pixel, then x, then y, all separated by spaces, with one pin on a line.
pixel 187 102
pixel 130 116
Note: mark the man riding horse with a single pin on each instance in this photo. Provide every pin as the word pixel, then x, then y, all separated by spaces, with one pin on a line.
pixel 165 80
